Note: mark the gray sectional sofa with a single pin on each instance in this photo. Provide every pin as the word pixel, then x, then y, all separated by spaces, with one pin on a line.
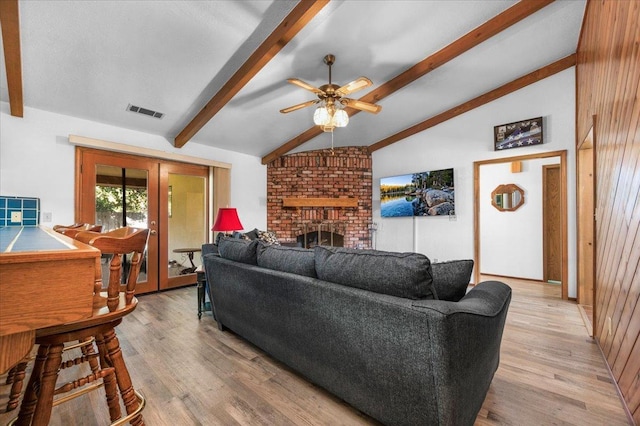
pixel 367 325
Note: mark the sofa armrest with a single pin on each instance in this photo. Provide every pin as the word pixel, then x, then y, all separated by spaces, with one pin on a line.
pixel 464 341
pixel 487 298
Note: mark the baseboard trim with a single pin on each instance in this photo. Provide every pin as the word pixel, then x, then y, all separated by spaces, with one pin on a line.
pixel 515 278
pixel 615 383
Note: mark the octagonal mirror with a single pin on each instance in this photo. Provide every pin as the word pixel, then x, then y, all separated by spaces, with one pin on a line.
pixel 508 197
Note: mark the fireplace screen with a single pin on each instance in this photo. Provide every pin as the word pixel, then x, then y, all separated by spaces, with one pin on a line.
pixel 321 234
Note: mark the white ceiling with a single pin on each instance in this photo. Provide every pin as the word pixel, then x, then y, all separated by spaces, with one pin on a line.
pixel 90 59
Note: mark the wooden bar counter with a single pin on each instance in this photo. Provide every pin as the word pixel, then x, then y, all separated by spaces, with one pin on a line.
pixel 46 279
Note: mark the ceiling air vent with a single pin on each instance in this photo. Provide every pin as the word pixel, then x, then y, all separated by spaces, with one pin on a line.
pixel 145 111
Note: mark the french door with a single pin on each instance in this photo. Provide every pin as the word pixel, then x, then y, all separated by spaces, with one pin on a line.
pixel 183 216
pixel 169 198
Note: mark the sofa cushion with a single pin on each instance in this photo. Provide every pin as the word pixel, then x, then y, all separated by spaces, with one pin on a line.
pixel 239 250
pixel 208 248
pixel 451 278
pixel 296 260
pixel 405 275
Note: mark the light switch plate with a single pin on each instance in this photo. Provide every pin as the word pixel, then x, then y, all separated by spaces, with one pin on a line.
pixel 46 216
pixel 16 217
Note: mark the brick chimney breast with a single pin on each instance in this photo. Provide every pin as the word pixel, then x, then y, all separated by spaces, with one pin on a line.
pixel 318 174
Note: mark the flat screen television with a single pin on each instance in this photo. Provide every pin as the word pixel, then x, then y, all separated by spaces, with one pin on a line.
pixel 418 194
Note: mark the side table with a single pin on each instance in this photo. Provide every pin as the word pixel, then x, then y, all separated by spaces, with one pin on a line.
pixel 189 252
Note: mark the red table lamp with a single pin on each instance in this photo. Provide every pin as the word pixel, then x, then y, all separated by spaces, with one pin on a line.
pixel 227 220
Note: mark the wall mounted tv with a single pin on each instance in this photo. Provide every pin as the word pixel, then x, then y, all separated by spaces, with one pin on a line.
pixel 418 194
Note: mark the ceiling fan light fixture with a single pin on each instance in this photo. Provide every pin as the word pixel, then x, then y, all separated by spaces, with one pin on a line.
pixel 340 118
pixel 330 115
pixel 321 116
pixel 330 112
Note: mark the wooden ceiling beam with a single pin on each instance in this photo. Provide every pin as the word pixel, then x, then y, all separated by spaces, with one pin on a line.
pixel 483 99
pixel 500 22
pixel 300 16
pixel 10 23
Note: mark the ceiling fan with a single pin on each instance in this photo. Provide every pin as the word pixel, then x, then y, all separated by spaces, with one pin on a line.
pixel 332 99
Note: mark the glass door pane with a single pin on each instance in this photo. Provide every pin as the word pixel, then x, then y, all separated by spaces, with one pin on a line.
pixel 187 218
pixel 122 199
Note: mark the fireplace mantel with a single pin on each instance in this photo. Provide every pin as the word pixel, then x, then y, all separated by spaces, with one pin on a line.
pixel 320 202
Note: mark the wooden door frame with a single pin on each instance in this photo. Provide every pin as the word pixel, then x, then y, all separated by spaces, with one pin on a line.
pixel 563 196
pixel 545 168
pixel 161 216
pixel 588 143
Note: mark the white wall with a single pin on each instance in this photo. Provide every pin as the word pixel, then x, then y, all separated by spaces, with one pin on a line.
pixel 458 143
pixel 516 237
pixel 37 160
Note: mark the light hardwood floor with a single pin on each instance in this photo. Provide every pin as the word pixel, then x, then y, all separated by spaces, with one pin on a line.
pixel 192 374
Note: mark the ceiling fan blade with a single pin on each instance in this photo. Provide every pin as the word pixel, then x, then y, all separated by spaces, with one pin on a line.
pixel 355 85
pixel 305 86
pixel 361 105
pixel 299 106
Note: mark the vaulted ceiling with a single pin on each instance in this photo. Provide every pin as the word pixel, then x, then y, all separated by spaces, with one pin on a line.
pixel 217 70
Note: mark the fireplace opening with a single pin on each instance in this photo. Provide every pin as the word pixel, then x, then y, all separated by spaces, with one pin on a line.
pixel 320 238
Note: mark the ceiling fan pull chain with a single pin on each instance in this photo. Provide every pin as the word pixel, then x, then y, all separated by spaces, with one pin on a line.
pixel 332 151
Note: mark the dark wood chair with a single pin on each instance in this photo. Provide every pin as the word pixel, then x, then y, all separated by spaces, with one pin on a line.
pixel 107 364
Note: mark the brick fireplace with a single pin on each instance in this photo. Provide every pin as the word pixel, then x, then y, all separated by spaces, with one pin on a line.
pixel 315 198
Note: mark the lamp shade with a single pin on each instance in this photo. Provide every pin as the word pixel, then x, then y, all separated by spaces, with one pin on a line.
pixel 227 220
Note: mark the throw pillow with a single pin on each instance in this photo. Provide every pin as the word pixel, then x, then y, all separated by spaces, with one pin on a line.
pixel 296 260
pixel 405 275
pixel 251 235
pixel 238 250
pixel 451 278
pixel 268 237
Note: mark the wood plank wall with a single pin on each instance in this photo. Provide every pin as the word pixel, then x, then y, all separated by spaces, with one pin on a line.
pixel 607 83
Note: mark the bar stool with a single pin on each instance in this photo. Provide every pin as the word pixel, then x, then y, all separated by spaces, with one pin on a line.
pixel 15 376
pixel 71 230
pixel 110 369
